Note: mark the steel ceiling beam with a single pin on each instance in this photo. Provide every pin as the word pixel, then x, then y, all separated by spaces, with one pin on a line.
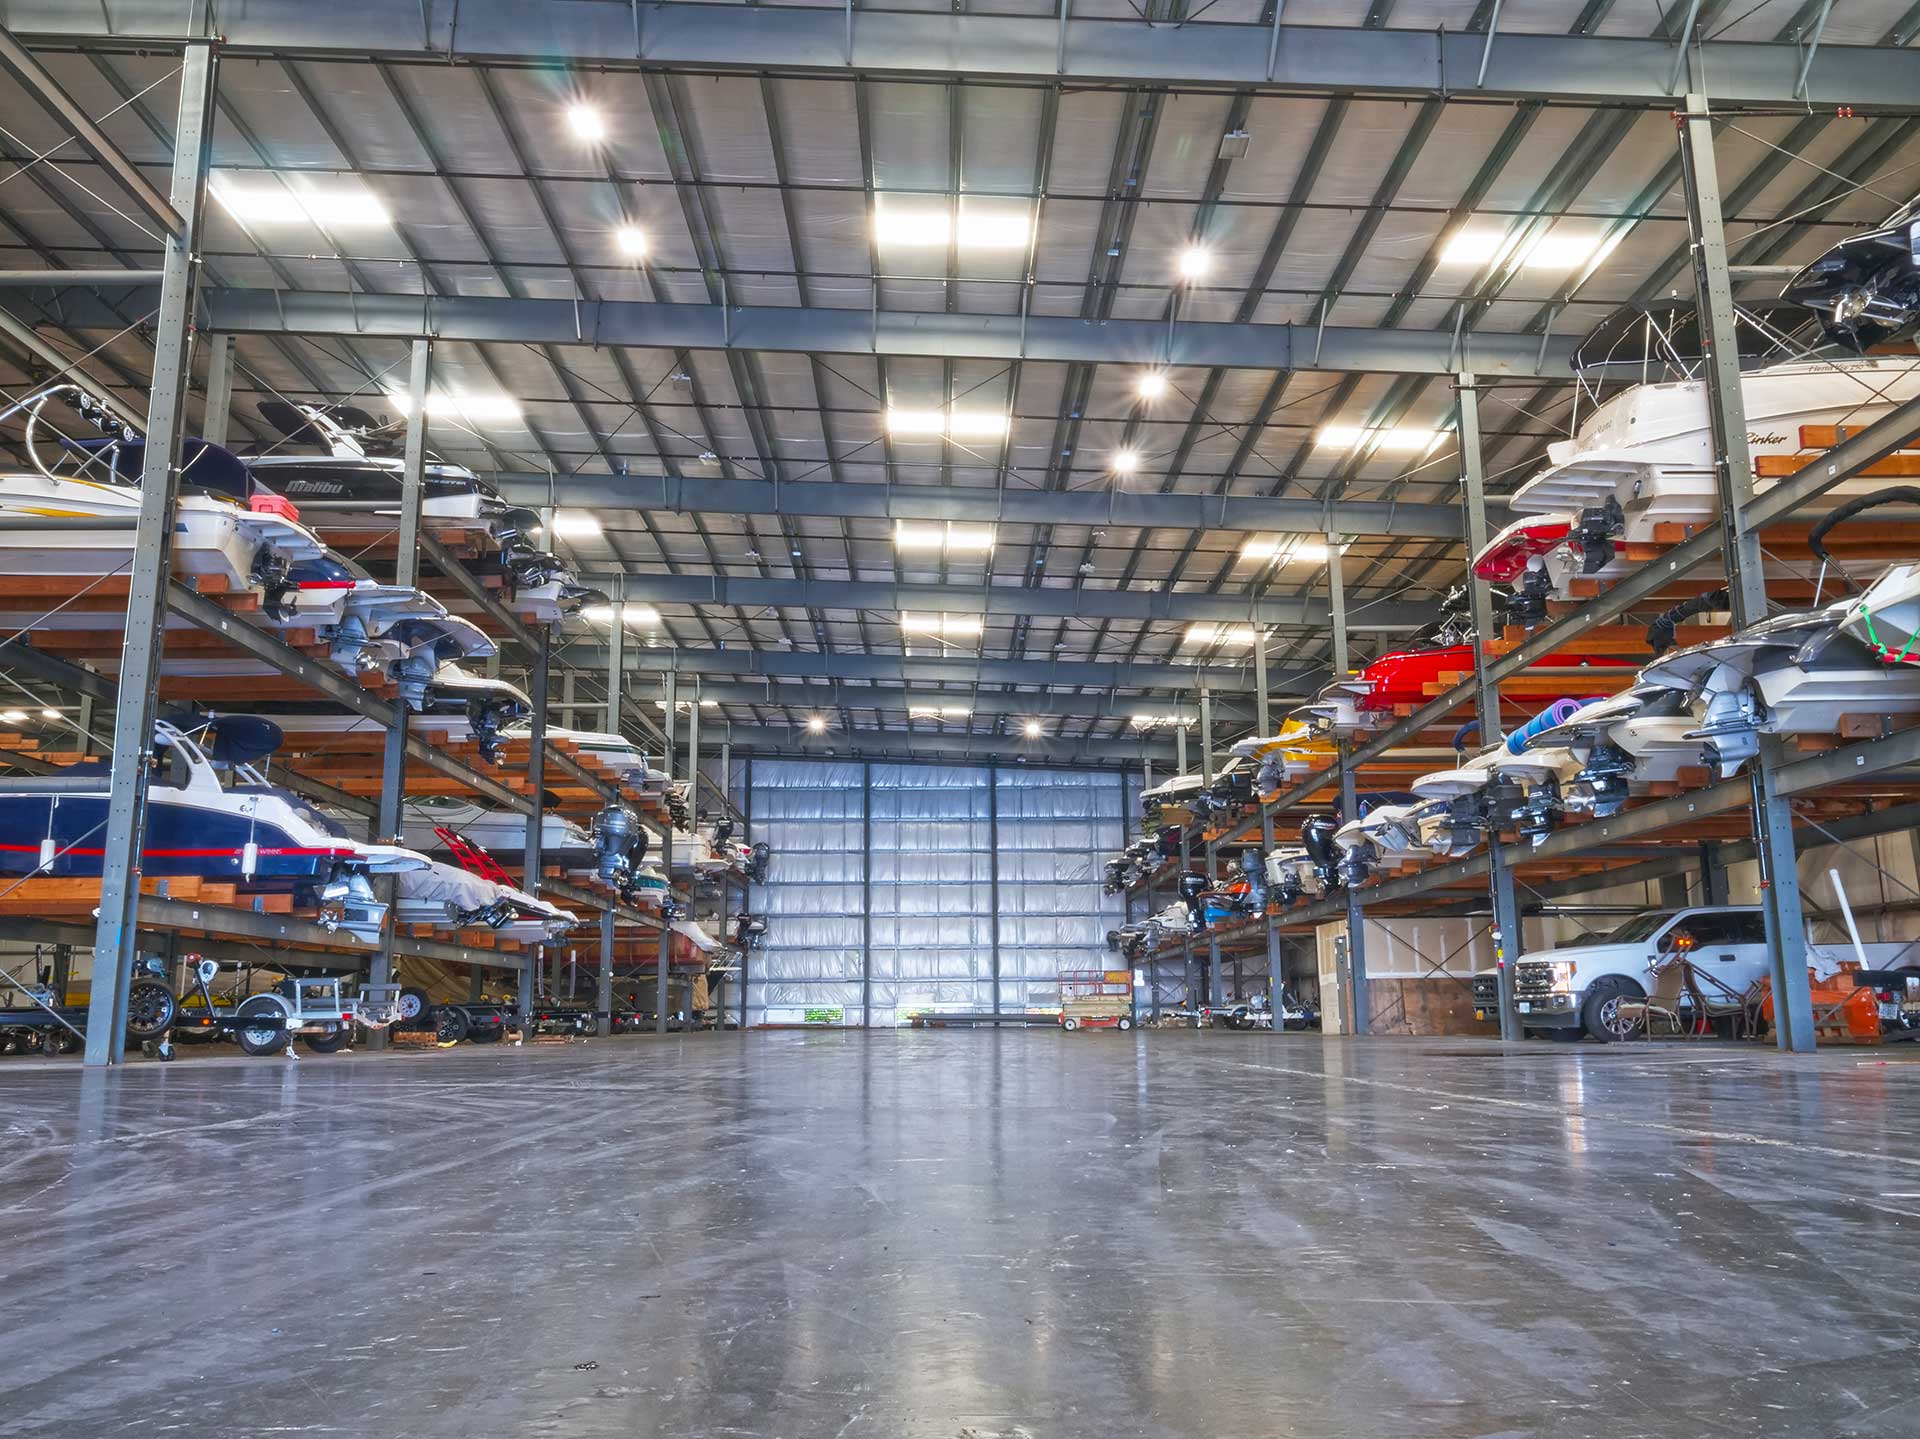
pixel 912 670
pixel 925 743
pixel 1033 49
pixel 896 699
pixel 1105 507
pixel 812 330
pixel 1009 601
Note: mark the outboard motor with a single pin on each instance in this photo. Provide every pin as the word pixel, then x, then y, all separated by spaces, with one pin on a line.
pixel 760 862
pixel 1527 605
pixel 747 931
pixel 1117 877
pixel 1190 887
pixel 722 832
pixel 1593 534
pixel 1534 819
pixel 1168 842
pixel 1316 837
pixel 1253 865
pixel 614 830
pixel 1601 785
pixel 487 719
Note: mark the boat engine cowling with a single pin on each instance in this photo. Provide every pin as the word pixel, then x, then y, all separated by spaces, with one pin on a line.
pixel 1316 837
pixel 1594 532
pixel 614 832
pixel 760 862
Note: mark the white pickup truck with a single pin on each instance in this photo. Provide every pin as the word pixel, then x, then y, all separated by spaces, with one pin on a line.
pixel 1565 993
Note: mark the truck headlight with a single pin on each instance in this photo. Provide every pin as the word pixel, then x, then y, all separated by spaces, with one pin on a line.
pixel 1563 973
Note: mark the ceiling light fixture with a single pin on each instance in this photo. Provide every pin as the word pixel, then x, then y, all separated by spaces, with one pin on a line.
pixel 632 614
pixel 816 725
pixel 1397 439
pixel 1236 635
pixel 1195 261
pixel 952 424
pixel 474 409
pixel 946 626
pixel 1124 462
pixel 50 714
pixel 631 241
pixel 339 203
pixel 1152 385
pixel 13 716
pixel 586 122
pixel 1287 549
pixel 575 524
pixel 1033 729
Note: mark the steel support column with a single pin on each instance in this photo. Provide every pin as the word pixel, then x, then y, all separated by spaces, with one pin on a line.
pixel 746 815
pixel 1186 863
pixel 993 881
pixel 662 964
pixel 1214 994
pixel 1746 576
pixel 1263 725
pixel 616 658
pixel 866 895
pixel 530 870
pixel 1507 944
pixel 116 935
pixel 389 822
pixel 603 999
pixel 1349 801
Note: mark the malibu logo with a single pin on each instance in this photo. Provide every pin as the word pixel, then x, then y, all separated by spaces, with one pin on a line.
pixel 1755 437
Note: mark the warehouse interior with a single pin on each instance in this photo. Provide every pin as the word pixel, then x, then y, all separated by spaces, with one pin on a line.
pixel 1152 718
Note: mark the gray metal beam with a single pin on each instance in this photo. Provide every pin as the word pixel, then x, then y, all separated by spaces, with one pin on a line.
pixel 1107 507
pixel 1010 601
pixel 1507 942
pixel 1746 574
pixel 804 329
pixel 531 863
pixel 1349 806
pixel 116 936
pixel 1033 49
pixel 916 669
pixel 894 699
pixel 172 216
pixel 771 740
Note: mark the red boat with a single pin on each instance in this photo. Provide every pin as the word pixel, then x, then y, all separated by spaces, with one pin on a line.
pixel 1402 677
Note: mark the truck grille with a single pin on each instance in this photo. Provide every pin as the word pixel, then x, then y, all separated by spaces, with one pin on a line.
pixel 1533 979
pixel 1486 991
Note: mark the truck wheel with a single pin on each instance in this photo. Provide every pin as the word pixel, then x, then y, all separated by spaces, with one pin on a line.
pixel 450 1024
pixel 1600 1012
pixel 414 1007
pixel 331 1040
pixel 260 1038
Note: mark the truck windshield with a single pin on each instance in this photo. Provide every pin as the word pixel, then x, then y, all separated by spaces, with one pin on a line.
pixel 1641 926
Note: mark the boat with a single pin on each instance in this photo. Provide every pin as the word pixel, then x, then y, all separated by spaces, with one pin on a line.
pixel 474 891
pixel 356 482
pixel 86 522
pixel 1639 468
pixel 1624 744
pixel 500 832
pixel 1291 875
pixel 1866 287
pixel 251 833
pixel 1386 834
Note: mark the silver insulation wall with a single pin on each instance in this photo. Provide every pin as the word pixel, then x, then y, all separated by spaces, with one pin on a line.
pixel 889 893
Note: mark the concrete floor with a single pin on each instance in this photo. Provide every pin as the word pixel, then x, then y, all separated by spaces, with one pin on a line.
pixel 967 1236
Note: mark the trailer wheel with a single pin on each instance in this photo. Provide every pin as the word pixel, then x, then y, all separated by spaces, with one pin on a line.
pixel 260 1038
pixel 1069 1023
pixel 1123 1022
pixel 150 1009
pixel 450 1024
pixel 331 1040
pixel 414 1007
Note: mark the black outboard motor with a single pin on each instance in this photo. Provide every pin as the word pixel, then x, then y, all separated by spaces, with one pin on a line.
pixel 1316 837
pixel 1594 532
pixel 722 832
pixel 747 931
pixel 1253 865
pixel 1527 605
pixel 1190 887
pixel 1168 842
pixel 760 862
pixel 487 719
pixel 1117 878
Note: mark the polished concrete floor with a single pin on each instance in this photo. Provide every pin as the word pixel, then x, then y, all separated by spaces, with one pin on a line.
pixel 966 1236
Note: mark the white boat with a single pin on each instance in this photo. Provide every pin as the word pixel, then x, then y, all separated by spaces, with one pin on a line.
pixel 1645 458
pixel 1624 744
pixel 259 837
pixel 1291 875
pixel 501 832
pixel 52 525
pixel 450 897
